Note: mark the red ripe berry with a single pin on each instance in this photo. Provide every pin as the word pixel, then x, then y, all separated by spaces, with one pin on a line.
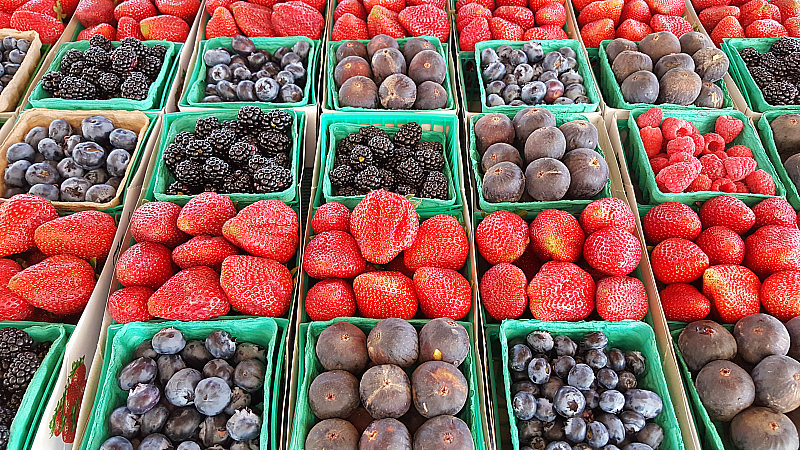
pixel 740 151
pixel 208 251
pixel 145 264
pixel 333 254
pixel 331 216
pixel 501 236
pixel 775 211
pixel 674 128
pixel 676 25
pixel 722 245
pixel 729 212
pixel 441 242
pixel 678 261
pixel 678 177
pixel 503 293
pixel 737 168
pixel 728 127
pixel 712 142
pixel 760 182
pixel 556 235
pixel 671 219
pixel 701 183
pixel 158 222
pixel 650 118
pixel 733 290
pixel 607 212
pixel 329 299
pixel 652 140
pixel 613 251
pixel 620 298
pixel 442 293
pixel 130 304
pixel 658 163
pixel 728 27
pixel 684 303
pixel 381 295
pixel 206 214
pixel 779 295
pixel 476 31
pixel 723 185
pixel 561 291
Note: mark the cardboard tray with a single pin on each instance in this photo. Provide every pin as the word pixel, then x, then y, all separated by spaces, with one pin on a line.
pixel 14 91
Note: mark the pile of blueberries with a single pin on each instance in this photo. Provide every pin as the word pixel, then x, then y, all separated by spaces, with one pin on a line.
pixel 64 164
pixel 13 53
pixel 189 395
pixel 581 396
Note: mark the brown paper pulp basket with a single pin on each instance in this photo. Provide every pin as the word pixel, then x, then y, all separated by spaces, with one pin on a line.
pixel 9 98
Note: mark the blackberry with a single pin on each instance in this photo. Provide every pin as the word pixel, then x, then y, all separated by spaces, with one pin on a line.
pixel 41 349
pixel 109 83
pixel 14 341
pixel 20 372
pixel 123 60
pixel 150 66
pixel 6 417
pixel 214 171
pixel 281 159
pixel 360 157
pixel 92 74
pixel 237 128
pixel 793 66
pixel 159 51
pixel 370 132
pixel 239 153
pixel 173 155
pixel 237 182
pixel 341 160
pixel 71 57
pixel 430 157
pixel 408 135
pixel 179 188
pixel 51 82
pixel 435 186
pixel 343 148
pixel 761 76
pixel 404 189
pixel 780 93
pixel 222 139
pixel 342 176
pixel 369 179
pixel 257 162
pixel 72 88
pixel 250 117
pixel 97 57
pixel 382 147
pixel 100 41
pixel 279 120
pixel 785 46
pixel 189 172
pixel 349 191
pixel 750 56
pixel 203 127
pixel 184 137
pixel 5 434
pixel 76 70
pixel 772 63
pixel 136 45
pixel 199 150
pixel 135 87
pixel 272 142
pixel 389 181
pixel 272 178
pixel 410 172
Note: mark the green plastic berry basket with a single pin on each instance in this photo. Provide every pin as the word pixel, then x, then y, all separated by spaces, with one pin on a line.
pixel 333 91
pixel 704 120
pixel 627 335
pixel 768 139
pixel 23 428
pixel 534 206
pixel 124 339
pixel 310 367
pixel 194 95
pixel 583 68
pixel 753 95
pixel 436 127
pixel 41 99
pixel 175 123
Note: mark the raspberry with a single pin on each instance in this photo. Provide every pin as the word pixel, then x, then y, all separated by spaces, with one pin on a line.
pixel 701 183
pixel 650 118
pixel 658 163
pixel 741 188
pixel 737 167
pixel 723 185
pixel 740 150
pixel 674 128
pixel 721 154
pixel 760 182
pixel 728 127
pixel 680 157
pixel 712 167
pixel 677 177
pixel 713 142
pixel 699 143
pixel 652 140
pixel 683 144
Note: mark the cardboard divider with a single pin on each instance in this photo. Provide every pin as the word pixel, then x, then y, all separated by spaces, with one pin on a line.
pixel 10 97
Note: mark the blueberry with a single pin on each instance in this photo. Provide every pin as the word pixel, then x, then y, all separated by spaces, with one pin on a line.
pixel 179 390
pixel 239 399
pixel 155 442
pixel 495 87
pixel 143 398
pixel 50 149
pixel 511 93
pixel 592 398
pixel 97 129
pixel 35 135
pixel 290 93
pixel 534 52
pixel 271 68
pixel 548 75
pixel 635 362
pixel 284 77
pixel 10 69
pixel 616 360
pixel 123 138
pixel 575 429
pixel 97 176
pixel 290 58
pixel 537 443
pixel 41 173
pixel 544 410
pixel 9 43
pixel 596 340
pixel 520 355
pixel 518 57
pixel 226 91
pixel 153 421
pixel 219 368
pixel 213 431
pixel 554 61
pixel 53 164
pixel 494 100
pixel 89 155
pixel 74 189
pixel 220 72
pixel 647 403
pixel 607 378
pixel 526 386
pixel 248 350
pixel 241 73
pixel 632 421
pixel 113 182
pixel 616 431
pixel 558 445
pixel 267 89
pixel 626 381
pixel 562 365
pixel 524 74
pixel 564 346
pixel 302 48
pixel 122 422
pixel 652 434
pixel 169 365
pixel 256 61
pixel 581 376
pixel 59 129
pixel 637 446
pixel 216 56
pixel 189 445
pixel 494 71
pixel 504 51
pixel 249 375
pixel 68 168
pixel 168 341
pixel 183 424
pixel 101 193
pixel 539 370
pixel 569 64
pixel 195 354
pixel 220 344
pixel 71 142
pixel 540 341
pixel 596 434
pixel 116 443
pixel 15 173
pixel 550 388
pixel 571 77
pixel 211 396
pixel 523 405
pixel 569 402
pixel 488 56
pixel 20 151
pixel 244 425
pixel 47 191
pixel 612 401
pixel 246 91
pixel 596 359
pixel 297 71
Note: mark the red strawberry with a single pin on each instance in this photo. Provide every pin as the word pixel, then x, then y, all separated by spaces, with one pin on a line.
pixel 221 23
pixel 502 236
pixel 164 28
pixel 676 260
pixel 684 303
pixel 394 5
pixel 127 27
pixel 577 5
pixel 137 9
pixel 441 242
pixel 601 9
pixel 87 235
pixel 757 10
pixel 702 5
pixel 710 17
pixel 469 13
pixel 485 3
pixel 633 30
pixel 145 264
pixel 667 7
pixel 640 12
pixel 9 6
pixel 353 7
pixel 93 12
pixel 501 3
pixel 50 7
pixel 775 211
pixel 5 20
pixel 381 295
pixel 671 219
pixel 607 212
pixel 8 268
pixel 297 19
pixel 61 284
pixel 441 4
pixel 771 249
pixel 533 34
pixel 254 20
pixel 556 235
pixel 780 293
pixel 733 290
pixel 19 218
pixel 203 251
pixel 554 32
pixel 620 298
pixel 788 8
pixel 561 291
pixel 185 9
pixel 765 28
pixel 384 224
pixel 504 30
pixel 729 212
pixel 349 27
pixel 502 291
pixel 728 27
pixel 384 21
pixel 613 251
pixel 477 31
pixel 212 5
pixel 206 214
pixel 442 293
pixel 552 13
pixel 331 216
pixel 267 228
pixel 257 286
pixel 329 299
pixel 792 25
pixel 398 265
pixel 103 29
pixel 674 24
pixel 722 245
pixel 425 20
pixel 157 222
pixel 519 15
pixel 528 262
pixel 192 294
pixel 12 306
pixel 130 304
pixel 333 254
pixel 594 33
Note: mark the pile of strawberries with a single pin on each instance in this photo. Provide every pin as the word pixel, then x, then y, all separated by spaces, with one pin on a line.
pixel 357 19
pixel 196 262
pixel 167 20
pixel 748 18
pixel 46 270
pixel 683 160
pixel 381 261
pixel 630 19
pixel 740 258
pixel 265 18
pixel 43 16
pixel 564 267
pixel 510 20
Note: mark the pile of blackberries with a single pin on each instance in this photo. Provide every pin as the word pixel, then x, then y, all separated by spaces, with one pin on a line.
pixel 776 72
pixel 13 53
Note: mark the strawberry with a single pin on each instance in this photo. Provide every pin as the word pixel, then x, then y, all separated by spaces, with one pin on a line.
pixel 729 212
pixel 676 260
pixel 145 264
pixel 192 294
pixel 640 12
pixel 329 299
pixel 185 9
pixel 127 27
pixel 477 31
pixel 671 219
pixel 533 34
pixel 702 5
pixel 556 235
pixel 775 211
pixel 267 228
pixel 9 6
pixel 297 19
pixel 613 251
pixel 254 20
pixel 501 3
pixel 710 17
pixel 601 9
pixel 780 294
pixel 757 10
pixel 157 222
pixel 203 251
pixel 561 291
pixel 137 9
pixel 394 5
pixel 13 307
pixel 771 249
pixel 722 245
pixel 469 13
pixel 441 242
pixel 528 262
pixel 5 20
pixel 503 293
pixel 212 5
pixel 728 27
pixel 221 24
pixel 331 216
pixel 441 4
pixel 620 298
pixel 384 21
pixel 381 295
pixel 206 214
pixel 594 33
pixel 607 212
pixel 787 8
pixel 502 236
pixel 733 291
pixel 61 284
pixel 684 303
pixel 51 8
pixel 20 216
pixel 349 27
pixel 442 293
pixel 426 20
pixel 765 28
pixel 485 3
pixel 504 30
pixel 552 13
pixel 353 7
pixel 667 7
pixel 633 30
pixel 130 304
pixel 333 254
pixel 792 25
pixel 8 268
pixel 93 12
pixel 554 32
pixel 103 29
pixel 257 286
pixel 519 15
pixel 164 28
pixel 577 5
pixel 674 24
pixel 87 235
pixel 384 224
pixel 398 265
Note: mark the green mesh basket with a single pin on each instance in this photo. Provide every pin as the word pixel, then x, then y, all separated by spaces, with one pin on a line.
pixel 194 94
pixel 41 99
pixel 175 123
pixel 625 335
pixel 477 170
pixel 304 419
pixel 753 95
pixel 704 120
pixel 583 68
pixel 768 139
pixel 333 91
